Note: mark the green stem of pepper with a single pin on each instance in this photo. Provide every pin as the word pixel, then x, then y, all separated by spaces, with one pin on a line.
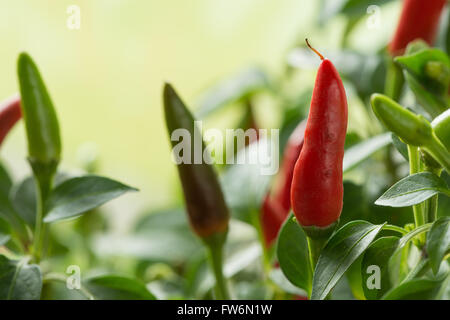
pixel 215 245
pixel 43 174
pixel 315 247
pixel 438 151
pixel 414 167
pixel 256 221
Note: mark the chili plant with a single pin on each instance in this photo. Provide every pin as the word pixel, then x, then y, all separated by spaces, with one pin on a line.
pixel 29 209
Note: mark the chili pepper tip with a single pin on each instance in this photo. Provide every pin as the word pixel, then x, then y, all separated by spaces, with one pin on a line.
pixel 317 52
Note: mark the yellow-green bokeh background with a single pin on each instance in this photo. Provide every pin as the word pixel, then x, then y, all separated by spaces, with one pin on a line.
pixel 106 78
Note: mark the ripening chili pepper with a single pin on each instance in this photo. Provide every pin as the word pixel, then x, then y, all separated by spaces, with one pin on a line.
pixel 205 204
pixel 291 153
pixel 419 20
pixel 272 218
pixel 317 186
pixel 277 203
pixel 10 113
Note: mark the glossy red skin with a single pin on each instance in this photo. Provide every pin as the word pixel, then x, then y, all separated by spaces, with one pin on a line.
pixel 276 208
pixel 10 113
pixel 317 188
pixel 419 20
pixel 272 218
pixel 291 153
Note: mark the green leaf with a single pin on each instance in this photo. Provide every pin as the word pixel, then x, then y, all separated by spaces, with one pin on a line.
pixel 428 75
pixel 79 195
pixel 23 200
pixel 19 280
pixel 293 254
pixel 341 250
pixel 438 242
pixel 415 289
pixel 354 279
pixel 378 254
pixel 432 104
pixel 278 277
pixel 5 232
pixel 233 89
pixel 401 147
pixel 361 151
pixel 412 190
pixel 114 287
pixel 418 65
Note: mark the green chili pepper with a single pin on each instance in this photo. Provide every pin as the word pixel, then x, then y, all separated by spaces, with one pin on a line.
pixel 413 129
pixel 44 144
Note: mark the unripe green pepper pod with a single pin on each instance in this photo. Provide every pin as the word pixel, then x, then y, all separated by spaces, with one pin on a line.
pixel 413 129
pixel 41 123
pixel 205 203
pixel 441 127
pixel 44 143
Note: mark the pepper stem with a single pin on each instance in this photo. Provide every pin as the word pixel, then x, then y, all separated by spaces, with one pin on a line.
pixel 418 209
pixel 317 52
pixel 315 247
pixel 215 245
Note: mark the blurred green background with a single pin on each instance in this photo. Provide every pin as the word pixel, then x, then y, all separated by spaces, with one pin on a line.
pixel 106 78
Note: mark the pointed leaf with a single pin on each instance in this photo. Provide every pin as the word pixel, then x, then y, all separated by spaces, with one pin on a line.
pixel 413 190
pixel 114 287
pixel 19 280
pixel 341 250
pixel 79 195
pixel 293 254
pixel 378 254
pixel 415 289
pixel 438 242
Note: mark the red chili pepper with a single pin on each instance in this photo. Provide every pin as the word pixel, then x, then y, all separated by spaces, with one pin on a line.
pixel 276 208
pixel 272 218
pixel 419 20
pixel 10 113
pixel 290 156
pixel 317 188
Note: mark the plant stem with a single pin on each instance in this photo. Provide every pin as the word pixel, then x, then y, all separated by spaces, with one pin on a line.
pixel 43 176
pixel 256 221
pixel 315 247
pixel 418 209
pixel 395 228
pixel 63 278
pixel 216 260
pixel 439 152
pixel 432 208
pixel 421 266
pixel 38 238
